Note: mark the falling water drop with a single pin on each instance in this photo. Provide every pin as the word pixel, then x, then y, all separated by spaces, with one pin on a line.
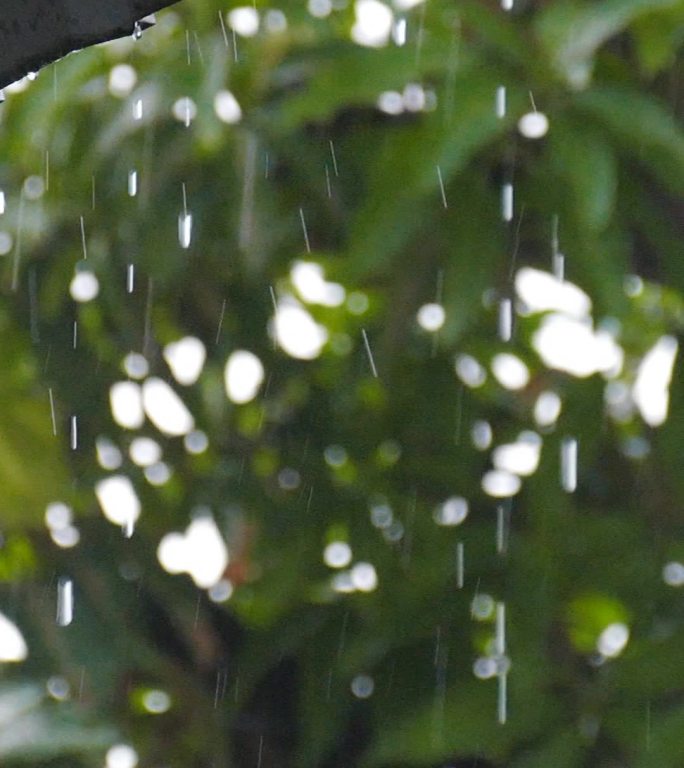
pixel 502 523
pixel 185 229
pixel 559 265
pixel 507 202
pixel 130 278
pixel 369 352
pixel 185 223
pixel 128 527
pixel 65 602
pixel 505 319
pixel 500 646
pixel 569 464
pixel 460 565
pixel 501 102
pixel 138 109
pixel 132 183
pixel 83 239
pixel 305 230
pixel 334 158
pixel 74 433
pixel 137 31
pixel 441 187
pixel 52 412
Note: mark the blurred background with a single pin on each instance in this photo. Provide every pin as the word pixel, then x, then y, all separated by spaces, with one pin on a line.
pixel 341 402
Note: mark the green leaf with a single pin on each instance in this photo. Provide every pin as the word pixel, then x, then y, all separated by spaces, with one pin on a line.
pixel 587 162
pixel 642 128
pixel 572 32
pixel 33 729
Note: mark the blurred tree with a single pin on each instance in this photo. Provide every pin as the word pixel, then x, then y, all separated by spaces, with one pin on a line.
pixel 345 290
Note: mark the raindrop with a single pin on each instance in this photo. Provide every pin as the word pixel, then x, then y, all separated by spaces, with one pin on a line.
pixel 125 401
pixel 130 278
pixel 121 756
pixel 569 464
pixel 12 644
pixel 186 359
pixel 65 602
pixel 196 442
pixel 507 202
pixel 362 686
pixel 122 80
pixel 414 98
pixel 469 371
pixel 58 515
pixel 335 456
pixel 482 607
pixel 369 352
pixel 118 500
pixel 227 108
pixel 337 554
pixel 633 285
pixel 485 668
pixel 58 688
pixel 502 524
pixel 431 317
pixel 673 574
pixel 613 640
pixel 34 187
pixel 373 23
pixel 6 243
pixel 289 479
pixel 156 702
pixel 547 408
pixel 533 125
pixel 144 451
pixel 505 319
pixel 500 484
pixel 460 565
pixel 74 433
pixel 319 8
pixel 381 515
pixel 452 512
pixel 184 229
pixel 108 455
pixel 357 303
pixel 158 474
pixel 558 266
pixel 84 286
pixel 399 32
pixel 243 376
pixel 481 435
pixel 521 457
pixel 394 532
pixel 132 183
pixel 136 365
pixel 165 409
pixel 66 538
pixel 510 371
pixel 221 591
pixel 244 21
pixel 441 187
pixel 364 577
pixel 297 332
pixel 500 100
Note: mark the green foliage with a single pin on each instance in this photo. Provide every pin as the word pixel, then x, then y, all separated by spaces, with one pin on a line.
pixel 399 201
